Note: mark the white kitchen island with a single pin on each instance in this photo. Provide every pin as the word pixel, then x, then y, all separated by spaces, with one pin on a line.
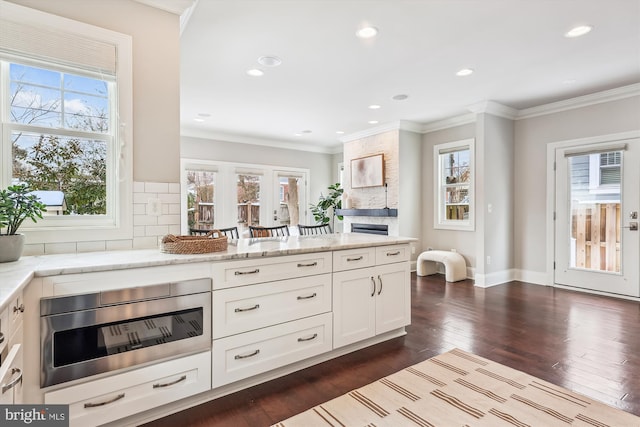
pixel 278 305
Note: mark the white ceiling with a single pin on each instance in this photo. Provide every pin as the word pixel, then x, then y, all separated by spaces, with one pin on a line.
pixel 329 77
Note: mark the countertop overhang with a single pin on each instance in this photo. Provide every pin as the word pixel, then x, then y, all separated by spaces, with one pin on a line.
pixel 15 275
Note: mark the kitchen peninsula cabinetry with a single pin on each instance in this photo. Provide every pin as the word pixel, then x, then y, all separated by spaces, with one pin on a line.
pixel 281 316
pixel 372 294
pixel 277 306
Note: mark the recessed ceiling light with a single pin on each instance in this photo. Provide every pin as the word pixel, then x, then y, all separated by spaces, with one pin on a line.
pixel 578 31
pixel 399 97
pixel 297 134
pixel 374 106
pixel 204 114
pixel 373 122
pixel 269 61
pixel 340 132
pixel 255 72
pixel 464 72
pixel 367 32
pixel 198 119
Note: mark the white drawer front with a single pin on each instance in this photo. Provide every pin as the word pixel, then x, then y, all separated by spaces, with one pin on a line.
pixel 354 258
pixel 111 398
pixel 391 254
pixel 250 271
pixel 252 353
pixel 245 308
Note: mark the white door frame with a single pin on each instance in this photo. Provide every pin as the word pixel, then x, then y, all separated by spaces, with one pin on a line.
pixel 551 195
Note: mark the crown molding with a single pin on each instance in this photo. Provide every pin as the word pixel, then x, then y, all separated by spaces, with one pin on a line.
pixel 494 108
pixel 397 125
pixel 463 119
pixel 177 7
pixel 581 101
pixel 265 142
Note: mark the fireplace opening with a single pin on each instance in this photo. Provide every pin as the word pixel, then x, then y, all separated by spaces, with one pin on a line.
pixel 381 229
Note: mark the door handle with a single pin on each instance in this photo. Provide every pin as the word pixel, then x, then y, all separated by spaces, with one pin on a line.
pixel 633 226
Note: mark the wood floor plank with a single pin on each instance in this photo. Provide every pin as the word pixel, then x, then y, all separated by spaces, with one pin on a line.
pixel 587 343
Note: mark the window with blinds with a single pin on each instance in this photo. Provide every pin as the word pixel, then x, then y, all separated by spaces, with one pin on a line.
pixel 610 168
pixel 64 103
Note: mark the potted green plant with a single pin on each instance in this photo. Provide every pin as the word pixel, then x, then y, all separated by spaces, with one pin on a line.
pixel 16 204
pixel 325 210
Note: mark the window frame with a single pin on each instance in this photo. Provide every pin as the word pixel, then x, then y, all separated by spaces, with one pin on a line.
pixel 439 187
pixel 118 222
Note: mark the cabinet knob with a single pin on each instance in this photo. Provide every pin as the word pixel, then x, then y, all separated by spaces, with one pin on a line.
pixel 18 308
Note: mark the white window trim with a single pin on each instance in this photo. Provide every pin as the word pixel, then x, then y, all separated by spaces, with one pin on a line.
pixel 120 224
pixel 440 223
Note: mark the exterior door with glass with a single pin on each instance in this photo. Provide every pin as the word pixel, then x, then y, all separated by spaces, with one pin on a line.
pixel 290 199
pixel 597 243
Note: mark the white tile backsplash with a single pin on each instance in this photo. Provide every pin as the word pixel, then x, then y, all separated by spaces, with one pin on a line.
pixel 148 229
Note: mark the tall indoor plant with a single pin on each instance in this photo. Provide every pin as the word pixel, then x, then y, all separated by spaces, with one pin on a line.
pixel 325 210
pixel 17 203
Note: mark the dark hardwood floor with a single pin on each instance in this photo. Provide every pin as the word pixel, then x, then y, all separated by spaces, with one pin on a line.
pixel 589 344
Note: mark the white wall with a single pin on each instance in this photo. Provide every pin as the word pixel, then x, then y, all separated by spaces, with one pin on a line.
pixel 531 138
pixel 494 189
pixel 462 241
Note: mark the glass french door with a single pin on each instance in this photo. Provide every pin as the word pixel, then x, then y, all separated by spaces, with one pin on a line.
pixel 201 208
pixel 289 199
pixel 248 198
pixel 597 244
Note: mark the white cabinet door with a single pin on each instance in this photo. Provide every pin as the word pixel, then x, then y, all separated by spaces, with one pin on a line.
pixel 368 302
pixel 393 297
pixel 354 303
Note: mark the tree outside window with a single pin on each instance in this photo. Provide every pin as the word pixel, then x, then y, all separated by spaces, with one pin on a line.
pixel 60 135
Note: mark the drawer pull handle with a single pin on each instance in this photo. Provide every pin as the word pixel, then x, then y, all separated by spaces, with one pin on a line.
pixel 373 282
pixel 313 264
pixel 246 356
pixel 380 280
pixel 240 310
pixel 13 383
pixel 1 337
pixel 240 273
pixel 356 258
pixel 312 337
pixel 18 309
pixel 106 402
pixel 313 295
pixel 393 253
pixel 182 378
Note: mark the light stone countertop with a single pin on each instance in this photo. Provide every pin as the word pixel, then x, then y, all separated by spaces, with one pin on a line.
pixel 16 275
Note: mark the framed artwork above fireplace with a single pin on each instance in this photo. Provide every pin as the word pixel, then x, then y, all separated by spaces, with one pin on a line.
pixel 367 171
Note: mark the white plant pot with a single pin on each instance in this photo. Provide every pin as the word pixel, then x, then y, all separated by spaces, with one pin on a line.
pixel 11 247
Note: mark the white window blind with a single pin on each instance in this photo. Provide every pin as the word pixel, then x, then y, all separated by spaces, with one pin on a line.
pixel 25 31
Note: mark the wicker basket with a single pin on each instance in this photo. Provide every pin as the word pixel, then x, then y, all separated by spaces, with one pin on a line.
pixel 194 244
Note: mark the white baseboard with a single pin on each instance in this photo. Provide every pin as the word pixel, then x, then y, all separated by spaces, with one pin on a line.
pixel 535 277
pixel 493 279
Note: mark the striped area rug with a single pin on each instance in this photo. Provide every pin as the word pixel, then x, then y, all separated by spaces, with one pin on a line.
pixel 461 389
